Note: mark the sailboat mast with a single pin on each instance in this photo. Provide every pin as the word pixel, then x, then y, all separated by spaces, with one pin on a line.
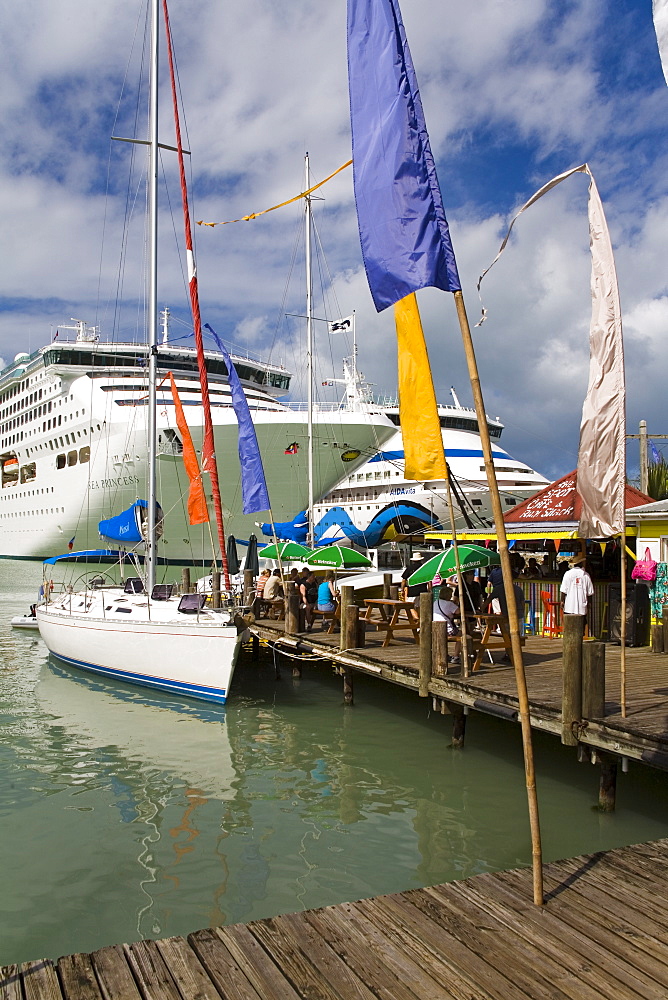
pixel 152 301
pixel 309 347
pixel 209 463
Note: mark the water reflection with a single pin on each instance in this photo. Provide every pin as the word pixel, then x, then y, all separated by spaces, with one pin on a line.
pixel 127 813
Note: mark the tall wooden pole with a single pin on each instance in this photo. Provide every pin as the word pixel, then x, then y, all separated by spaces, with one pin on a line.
pixel 513 619
pixel 622 627
pixel 643 456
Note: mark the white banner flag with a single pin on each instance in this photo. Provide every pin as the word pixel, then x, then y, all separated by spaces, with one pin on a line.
pixel 342 325
pixel 602 452
pixel 660 11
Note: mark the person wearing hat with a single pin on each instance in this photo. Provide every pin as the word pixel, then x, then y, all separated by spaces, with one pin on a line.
pixel 576 588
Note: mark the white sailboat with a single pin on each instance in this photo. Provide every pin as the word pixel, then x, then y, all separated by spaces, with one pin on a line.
pixel 144 633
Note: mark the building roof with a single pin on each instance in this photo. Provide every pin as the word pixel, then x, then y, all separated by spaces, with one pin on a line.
pixel 658 509
pixel 553 512
pixel 560 504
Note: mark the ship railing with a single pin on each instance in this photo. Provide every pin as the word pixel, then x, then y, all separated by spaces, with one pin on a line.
pixel 302 407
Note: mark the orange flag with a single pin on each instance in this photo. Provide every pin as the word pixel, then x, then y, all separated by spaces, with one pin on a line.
pixel 197 509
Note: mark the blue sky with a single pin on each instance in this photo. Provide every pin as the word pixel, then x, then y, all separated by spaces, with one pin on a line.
pixel 514 93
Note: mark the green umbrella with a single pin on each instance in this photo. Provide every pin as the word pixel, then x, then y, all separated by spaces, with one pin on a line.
pixel 285 551
pixel 338 557
pixel 470 557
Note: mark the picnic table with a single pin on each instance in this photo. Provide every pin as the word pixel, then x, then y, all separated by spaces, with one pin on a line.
pixel 390 616
pixel 495 635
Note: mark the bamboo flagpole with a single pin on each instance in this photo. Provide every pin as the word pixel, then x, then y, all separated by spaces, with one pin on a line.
pixel 460 583
pixel 406 246
pixel 622 626
pixel 513 619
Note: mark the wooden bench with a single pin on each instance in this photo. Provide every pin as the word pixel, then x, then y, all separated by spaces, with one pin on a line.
pixel 274 610
pixel 333 617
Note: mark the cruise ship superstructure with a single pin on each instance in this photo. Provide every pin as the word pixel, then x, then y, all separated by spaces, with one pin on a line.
pixel 73 430
pixel 375 504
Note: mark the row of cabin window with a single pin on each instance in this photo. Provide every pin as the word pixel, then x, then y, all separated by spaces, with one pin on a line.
pixel 71 458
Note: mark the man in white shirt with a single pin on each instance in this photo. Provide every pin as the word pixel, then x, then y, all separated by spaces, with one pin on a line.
pixel 576 588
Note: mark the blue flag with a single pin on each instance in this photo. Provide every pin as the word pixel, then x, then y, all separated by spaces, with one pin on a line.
pixel 656 458
pixel 403 229
pixel 253 483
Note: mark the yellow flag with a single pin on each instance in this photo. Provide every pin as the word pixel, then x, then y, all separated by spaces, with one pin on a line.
pixel 418 414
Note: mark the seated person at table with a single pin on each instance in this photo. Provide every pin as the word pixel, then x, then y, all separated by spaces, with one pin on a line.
pixel 445 610
pixel 472 593
pixel 496 601
pixel 327 593
pixel 308 592
pixel 273 590
pixel 412 593
pixel 261 580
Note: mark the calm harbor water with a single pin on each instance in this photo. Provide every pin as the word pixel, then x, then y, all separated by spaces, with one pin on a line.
pixel 127 815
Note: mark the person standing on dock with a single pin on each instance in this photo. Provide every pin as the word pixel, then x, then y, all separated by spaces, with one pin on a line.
pixel 576 588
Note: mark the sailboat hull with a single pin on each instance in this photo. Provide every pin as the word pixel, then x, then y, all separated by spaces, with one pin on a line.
pixel 186 657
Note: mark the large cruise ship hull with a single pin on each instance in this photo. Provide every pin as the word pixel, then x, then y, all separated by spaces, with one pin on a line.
pixel 40 518
pixel 376 504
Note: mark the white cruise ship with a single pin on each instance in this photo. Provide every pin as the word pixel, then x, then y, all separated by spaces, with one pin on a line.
pixel 73 429
pixel 375 504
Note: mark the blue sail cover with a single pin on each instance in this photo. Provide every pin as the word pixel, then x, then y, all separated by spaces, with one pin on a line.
pixel 403 229
pixel 253 484
pixel 295 530
pixel 125 527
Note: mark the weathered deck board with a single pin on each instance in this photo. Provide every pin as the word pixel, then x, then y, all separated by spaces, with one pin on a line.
pixel 602 935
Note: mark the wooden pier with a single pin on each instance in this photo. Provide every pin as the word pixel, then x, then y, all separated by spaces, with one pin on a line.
pixel 602 935
pixel 641 736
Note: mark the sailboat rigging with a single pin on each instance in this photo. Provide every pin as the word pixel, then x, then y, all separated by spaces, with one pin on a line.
pixel 145 633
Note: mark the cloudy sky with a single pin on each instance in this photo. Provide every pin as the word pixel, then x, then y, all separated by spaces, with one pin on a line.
pixel 514 92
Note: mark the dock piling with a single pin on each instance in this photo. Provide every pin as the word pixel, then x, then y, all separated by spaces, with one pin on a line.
pixel 657 637
pixel 607 789
pixel 215 588
pixel 347 686
pixel 593 680
pixel 571 701
pixel 458 725
pixel 291 608
pixel 426 617
pixel 349 624
pixel 347 598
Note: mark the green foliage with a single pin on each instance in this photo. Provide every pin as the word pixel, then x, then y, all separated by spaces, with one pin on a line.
pixel 657 480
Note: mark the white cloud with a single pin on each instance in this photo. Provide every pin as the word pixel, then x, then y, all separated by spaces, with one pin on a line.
pixel 518 91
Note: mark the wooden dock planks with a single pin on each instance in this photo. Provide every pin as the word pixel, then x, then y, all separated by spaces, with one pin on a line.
pixel 602 935
pixel 642 735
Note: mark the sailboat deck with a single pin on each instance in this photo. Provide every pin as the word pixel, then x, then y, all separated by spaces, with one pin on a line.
pixel 642 735
pixel 600 936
